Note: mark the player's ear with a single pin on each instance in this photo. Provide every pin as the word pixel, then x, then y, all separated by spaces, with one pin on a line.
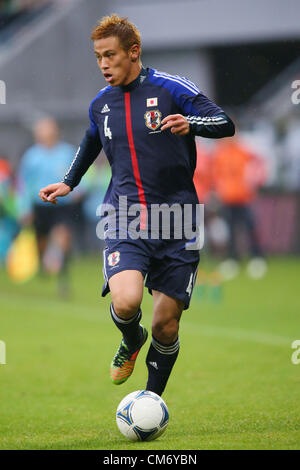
pixel 135 52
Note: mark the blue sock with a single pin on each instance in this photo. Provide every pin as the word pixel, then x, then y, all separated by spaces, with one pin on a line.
pixel 131 329
pixel 160 361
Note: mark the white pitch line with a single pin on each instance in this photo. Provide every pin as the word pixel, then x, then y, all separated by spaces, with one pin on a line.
pixel 84 312
pixel 239 334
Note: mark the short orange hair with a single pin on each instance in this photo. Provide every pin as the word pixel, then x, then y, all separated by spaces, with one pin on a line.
pixel 121 28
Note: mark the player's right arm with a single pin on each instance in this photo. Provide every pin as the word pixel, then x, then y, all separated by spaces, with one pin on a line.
pixel 52 191
pixel 86 154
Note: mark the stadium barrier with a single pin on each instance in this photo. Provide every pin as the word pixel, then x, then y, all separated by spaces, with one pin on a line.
pixel 277 216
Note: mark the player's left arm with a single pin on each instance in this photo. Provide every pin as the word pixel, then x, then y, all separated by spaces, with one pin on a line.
pixel 200 116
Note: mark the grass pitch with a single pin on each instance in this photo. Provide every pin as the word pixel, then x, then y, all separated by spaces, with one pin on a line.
pixel 233 386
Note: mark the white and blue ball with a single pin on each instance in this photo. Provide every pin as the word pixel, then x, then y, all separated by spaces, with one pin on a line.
pixel 142 416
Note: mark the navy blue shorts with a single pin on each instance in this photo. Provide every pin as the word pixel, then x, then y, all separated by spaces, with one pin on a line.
pixel 165 264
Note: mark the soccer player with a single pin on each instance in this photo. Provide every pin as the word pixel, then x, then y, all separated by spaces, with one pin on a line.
pixel 44 161
pixel 146 121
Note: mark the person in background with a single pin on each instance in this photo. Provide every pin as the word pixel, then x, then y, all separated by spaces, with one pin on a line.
pixel 46 160
pixel 96 182
pixel 237 175
pixel 9 226
pixel 203 173
pixel 216 229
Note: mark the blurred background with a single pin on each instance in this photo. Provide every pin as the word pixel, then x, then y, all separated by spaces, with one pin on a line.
pixel 243 55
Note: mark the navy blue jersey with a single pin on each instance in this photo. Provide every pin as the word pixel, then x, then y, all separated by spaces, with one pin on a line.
pixel 149 166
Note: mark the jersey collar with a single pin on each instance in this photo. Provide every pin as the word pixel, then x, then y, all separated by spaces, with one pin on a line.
pixel 135 83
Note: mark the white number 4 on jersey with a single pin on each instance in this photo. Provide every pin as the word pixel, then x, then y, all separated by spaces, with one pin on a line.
pixel 107 131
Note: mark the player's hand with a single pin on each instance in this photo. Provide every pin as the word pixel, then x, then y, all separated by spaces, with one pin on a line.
pixel 178 124
pixel 52 191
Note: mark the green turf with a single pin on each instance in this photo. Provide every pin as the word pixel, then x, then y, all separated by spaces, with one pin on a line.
pixel 233 386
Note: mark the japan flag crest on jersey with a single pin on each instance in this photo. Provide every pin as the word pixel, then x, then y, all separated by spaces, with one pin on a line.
pixel 153 119
pixel 113 258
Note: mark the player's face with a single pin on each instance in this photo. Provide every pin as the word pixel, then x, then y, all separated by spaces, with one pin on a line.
pixel 119 67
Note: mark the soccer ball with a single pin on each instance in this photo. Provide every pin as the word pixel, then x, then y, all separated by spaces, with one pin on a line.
pixel 142 416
